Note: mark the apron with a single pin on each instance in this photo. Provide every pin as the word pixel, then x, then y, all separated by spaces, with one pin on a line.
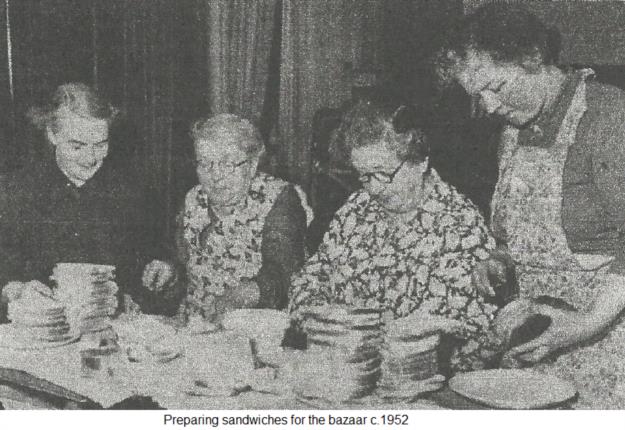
pixel 526 215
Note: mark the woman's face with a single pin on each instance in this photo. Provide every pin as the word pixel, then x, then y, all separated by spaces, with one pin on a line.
pixel 81 145
pixel 225 172
pixel 504 89
pixel 393 183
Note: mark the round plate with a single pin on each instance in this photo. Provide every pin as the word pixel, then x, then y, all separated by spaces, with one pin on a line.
pixel 513 388
pixel 10 338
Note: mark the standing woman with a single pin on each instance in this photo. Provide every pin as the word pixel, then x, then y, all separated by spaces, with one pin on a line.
pixel 559 203
pixel 241 232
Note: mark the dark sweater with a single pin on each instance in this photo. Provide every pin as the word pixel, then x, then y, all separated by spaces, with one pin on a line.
pixel 45 219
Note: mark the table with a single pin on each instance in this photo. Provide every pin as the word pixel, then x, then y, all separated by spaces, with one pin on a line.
pixel 51 379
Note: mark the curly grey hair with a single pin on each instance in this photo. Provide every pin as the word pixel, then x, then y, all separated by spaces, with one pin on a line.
pixel 370 122
pixel 229 127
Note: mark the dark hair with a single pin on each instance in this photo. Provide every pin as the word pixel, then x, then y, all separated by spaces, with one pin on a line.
pixel 370 122
pixel 79 98
pixel 508 33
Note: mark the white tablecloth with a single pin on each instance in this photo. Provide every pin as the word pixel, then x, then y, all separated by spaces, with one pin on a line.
pixel 220 360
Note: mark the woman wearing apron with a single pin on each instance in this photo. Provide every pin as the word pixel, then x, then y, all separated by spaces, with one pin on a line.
pixel 559 204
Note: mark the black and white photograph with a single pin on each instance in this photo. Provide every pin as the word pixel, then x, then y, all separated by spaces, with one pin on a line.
pixel 312 205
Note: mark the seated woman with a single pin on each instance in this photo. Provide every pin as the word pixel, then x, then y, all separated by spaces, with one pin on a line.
pixel 241 232
pixel 76 204
pixel 407 241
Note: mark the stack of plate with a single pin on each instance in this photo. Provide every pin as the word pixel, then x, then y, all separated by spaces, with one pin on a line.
pixel 88 292
pixel 343 359
pixel 39 321
pixel 406 361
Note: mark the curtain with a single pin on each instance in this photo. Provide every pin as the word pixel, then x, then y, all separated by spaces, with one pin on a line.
pixel 240 36
pixel 149 62
pixel 7 119
pixel 51 44
pixel 322 43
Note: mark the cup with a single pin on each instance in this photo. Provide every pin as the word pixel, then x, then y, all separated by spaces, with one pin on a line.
pixel 90 362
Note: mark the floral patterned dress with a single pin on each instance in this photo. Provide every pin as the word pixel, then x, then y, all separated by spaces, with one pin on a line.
pixel 221 252
pixel 425 263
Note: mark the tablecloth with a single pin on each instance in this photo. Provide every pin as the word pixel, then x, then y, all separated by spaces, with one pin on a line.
pixel 219 360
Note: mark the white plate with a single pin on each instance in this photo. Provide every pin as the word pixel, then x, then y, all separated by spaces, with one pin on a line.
pixel 513 388
pixel 11 339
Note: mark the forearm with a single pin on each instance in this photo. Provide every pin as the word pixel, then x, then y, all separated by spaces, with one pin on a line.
pixel 273 284
pixel 608 305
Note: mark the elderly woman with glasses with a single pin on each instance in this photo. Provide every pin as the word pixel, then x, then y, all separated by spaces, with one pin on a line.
pixel 241 233
pixel 406 242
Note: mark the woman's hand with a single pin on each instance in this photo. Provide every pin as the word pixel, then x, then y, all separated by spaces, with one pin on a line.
pixel 158 274
pixel 15 290
pixel 568 328
pixel 491 276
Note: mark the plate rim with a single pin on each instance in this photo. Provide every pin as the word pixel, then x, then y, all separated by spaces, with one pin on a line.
pixel 498 404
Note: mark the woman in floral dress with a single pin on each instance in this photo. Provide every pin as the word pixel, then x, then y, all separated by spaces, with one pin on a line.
pixel 241 232
pixel 407 241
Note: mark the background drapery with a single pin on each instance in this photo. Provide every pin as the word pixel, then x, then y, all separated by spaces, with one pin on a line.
pixel 322 42
pixel 7 124
pixel 240 35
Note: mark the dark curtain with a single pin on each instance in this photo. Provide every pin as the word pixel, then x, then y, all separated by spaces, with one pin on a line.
pixel 7 124
pixel 51 44
pixel 322 43
pixel 151 62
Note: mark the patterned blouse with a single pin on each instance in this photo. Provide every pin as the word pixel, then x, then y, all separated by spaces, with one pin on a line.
pixel 424 263
pixel 222 252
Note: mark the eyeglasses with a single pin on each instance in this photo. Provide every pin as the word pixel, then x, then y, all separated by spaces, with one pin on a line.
pixel 383 177
pixel 210 166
